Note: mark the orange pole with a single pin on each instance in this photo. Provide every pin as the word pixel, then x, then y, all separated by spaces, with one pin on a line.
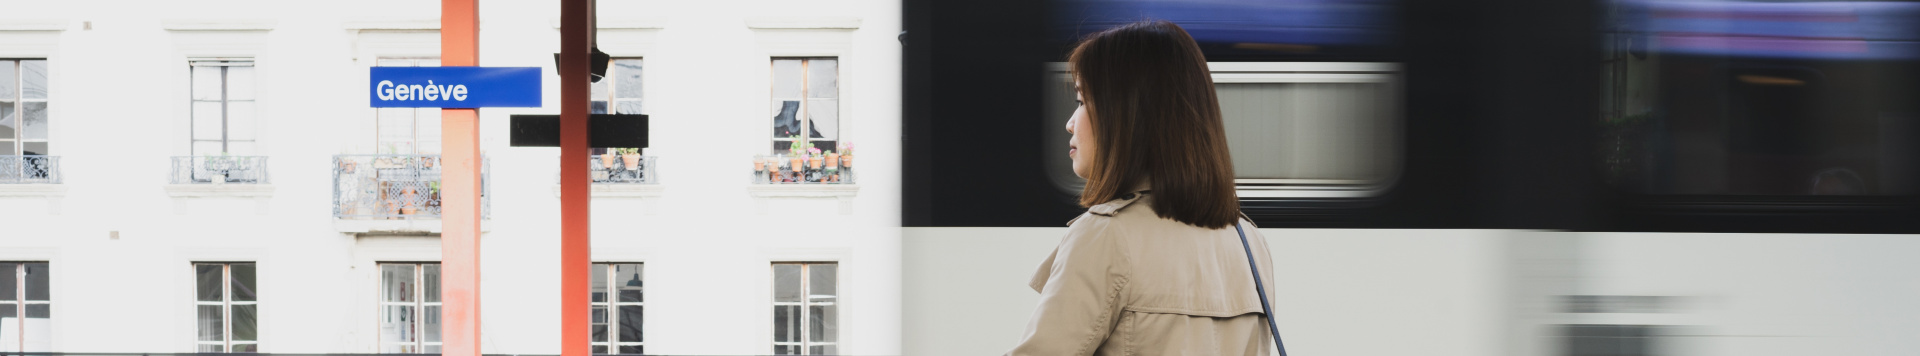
pixel 460 190
pixel 576 43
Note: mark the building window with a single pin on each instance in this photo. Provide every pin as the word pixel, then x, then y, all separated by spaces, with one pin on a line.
pixel 409 307
pixel 617 304
pixel 618 93
pixel 806 99
pixel 407 131
pixel 223 107
pixel 26 315
pixel 227 306
pixel 23 107
pixel 805 309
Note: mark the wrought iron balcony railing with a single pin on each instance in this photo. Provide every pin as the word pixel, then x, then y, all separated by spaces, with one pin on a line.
pixel 399 187
pixel 29 169
pixel 219 170
pixel 617 169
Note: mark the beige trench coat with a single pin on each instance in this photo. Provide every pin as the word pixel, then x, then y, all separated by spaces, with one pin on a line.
pixel 1125 281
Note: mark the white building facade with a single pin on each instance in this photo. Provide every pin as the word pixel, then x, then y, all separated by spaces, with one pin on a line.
pixel 208 176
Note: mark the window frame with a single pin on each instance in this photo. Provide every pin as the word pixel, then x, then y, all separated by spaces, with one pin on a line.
pixel 806 342
pixel 21 302
pixel 226 126
pixel 612 97
pixel 612 305
pixel 419 304
pixel 804 115
pixel 18 98
pixel 413 141
pixel 226 304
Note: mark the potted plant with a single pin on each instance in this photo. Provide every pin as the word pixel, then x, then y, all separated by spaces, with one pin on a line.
pixel 833 166
pixel 386 159
pixel 846 154
pixel 815 158
pixel 759 169
pixel 433 198
pixel 630 157
pixel 606 159
pixel 797 156
pixel 407 197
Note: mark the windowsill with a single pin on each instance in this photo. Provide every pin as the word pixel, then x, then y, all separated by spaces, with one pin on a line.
pixel 621 190
pixel 218 25
pixel 762 193
pixel 33 25
pixel 803 190
pixel 229 190
pixel 396 227
pixel 33 190
pixel 53 193
pixel 804 23
pixel 261 194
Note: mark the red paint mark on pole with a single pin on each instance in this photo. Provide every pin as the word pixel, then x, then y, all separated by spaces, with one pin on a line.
pixel 460 190
pixel 576 42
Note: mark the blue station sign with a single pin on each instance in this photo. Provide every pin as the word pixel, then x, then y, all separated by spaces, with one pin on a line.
pixel 455 87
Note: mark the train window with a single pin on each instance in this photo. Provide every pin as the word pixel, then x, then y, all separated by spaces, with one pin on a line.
pixel 1759 98
pixel 1296 129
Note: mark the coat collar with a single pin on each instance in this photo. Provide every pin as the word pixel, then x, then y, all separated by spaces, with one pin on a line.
pixel 1111 207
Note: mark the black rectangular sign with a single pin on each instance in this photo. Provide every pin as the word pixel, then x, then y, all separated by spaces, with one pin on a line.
pixel 606 130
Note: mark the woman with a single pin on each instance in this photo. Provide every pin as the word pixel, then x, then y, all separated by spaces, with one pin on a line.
pixel 1154 267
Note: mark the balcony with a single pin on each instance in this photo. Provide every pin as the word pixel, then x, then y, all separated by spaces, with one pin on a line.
pixel 802 169
pixel 29 169
pixel 393 187
pixel 219 170
pixel 619 169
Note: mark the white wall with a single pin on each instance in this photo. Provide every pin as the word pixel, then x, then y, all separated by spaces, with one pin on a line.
pixel 119 110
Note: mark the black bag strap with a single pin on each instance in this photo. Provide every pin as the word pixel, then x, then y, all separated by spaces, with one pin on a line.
pixel 1260 287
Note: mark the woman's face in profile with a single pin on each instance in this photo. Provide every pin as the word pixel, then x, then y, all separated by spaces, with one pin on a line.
pixel 1080 147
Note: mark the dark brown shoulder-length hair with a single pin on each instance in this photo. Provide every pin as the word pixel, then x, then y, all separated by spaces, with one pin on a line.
pixel 1155 117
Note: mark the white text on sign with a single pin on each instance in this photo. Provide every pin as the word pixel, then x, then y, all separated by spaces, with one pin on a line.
pixel 429 92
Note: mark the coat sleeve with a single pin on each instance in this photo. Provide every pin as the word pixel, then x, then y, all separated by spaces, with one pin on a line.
pixel 1080 297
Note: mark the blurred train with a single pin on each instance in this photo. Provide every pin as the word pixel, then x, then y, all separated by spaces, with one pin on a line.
pixel 1466 177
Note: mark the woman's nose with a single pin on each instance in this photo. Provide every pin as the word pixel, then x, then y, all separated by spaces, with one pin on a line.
pixel 1069 125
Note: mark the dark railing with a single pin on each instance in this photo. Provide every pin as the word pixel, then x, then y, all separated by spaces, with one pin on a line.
pixel 219 170
pixel 397 187
pixel 28 169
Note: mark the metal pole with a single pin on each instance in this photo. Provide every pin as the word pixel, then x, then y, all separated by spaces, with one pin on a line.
pixel 576 43
pixel 460 189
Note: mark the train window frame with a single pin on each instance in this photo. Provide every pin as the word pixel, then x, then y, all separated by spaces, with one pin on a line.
pixel 1389 75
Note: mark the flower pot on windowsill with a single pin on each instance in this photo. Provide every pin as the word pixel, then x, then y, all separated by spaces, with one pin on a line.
pixel 798 163
pixel 407 197
pixel 632 161
pixel 846 160
pixel 606 160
